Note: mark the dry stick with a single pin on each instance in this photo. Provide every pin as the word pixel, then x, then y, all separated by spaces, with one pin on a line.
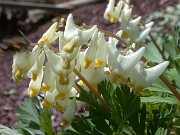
pixel 170 86
pixel 106 106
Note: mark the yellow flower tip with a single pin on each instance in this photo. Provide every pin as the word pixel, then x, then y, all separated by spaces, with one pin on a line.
pixel 34 76
pixel 87 62
pixel 58 107
pixel 45 88
pixel 125 35
pixel 18 74
pixel 33 92
pixel 139 88
pixel 108 15
pixel 60 96
pixel 43 40
pixel 113 19
pixel 67 49
pixel 64 122
pixel 107 72
pixel 81 83
pixel 131 85
pixel 120 78
pixel 98 63
pixel 63 80
pixel 46 103
pixel 66 65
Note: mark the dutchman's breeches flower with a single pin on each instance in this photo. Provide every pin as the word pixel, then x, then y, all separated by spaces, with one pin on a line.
pixel 142 77
pixel 37 67
pixel 74 36
pixel 69 114
pixel 50 35
pixel 49 98
pixel 120 65
pixel 101 55
pixel 65 88
pixel 23 62
pixel 90 53
pixel 112 13
pixel 49 79
pixel 35 85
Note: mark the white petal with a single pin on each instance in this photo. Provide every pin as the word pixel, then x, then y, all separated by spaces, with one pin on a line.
pixel 143 35
pixel 62 41
pixel 35 86
pixel 69 114
pixel 109 9
pixel 70 28
pixel 49 76
pixel 149 25
pixel 50 35
pixel 101 55
pixel 37 67
pixel 54 60
pixel 154 72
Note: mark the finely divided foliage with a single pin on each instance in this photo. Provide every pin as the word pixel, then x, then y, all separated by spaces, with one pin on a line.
pixel 115 85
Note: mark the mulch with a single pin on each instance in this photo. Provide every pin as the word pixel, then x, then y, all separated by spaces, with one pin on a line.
pixel 11 94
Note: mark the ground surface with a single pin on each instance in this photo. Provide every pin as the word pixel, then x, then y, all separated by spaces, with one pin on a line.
pixel 12 94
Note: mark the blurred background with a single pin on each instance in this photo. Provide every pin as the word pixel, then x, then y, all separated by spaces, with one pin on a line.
pixel 33 18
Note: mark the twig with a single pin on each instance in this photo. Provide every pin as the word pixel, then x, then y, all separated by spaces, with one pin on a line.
pixel 170 86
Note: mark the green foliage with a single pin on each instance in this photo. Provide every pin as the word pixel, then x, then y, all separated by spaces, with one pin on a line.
pixel 7 131
pixel 152 53
pixel 33 119
pixel 97 120
pixel 161 131
pixel 129 114
pixel 159 99
pixel 159 116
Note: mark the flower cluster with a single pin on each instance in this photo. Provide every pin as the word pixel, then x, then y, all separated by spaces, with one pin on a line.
pixel 132 32
pixel 51 70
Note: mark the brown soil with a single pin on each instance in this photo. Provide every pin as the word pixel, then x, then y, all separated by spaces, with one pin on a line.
pixel 91 14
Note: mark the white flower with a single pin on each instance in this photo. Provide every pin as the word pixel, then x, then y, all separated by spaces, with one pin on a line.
pixel 22 63
pixel 66 55
pixel 90 53
pixel 62 105
pixel 112 13
pixel 37 67
pixel 49 98
pixel 125 18
pixel 50 35
pixel 65 87
pixel 74 36
pixel 101 55
pixel 142 77
pixel 35 85
pixel 54 60
pixel 49 79
pixel 121 65
pixel 119 33
pixel 94 75
pixel 59 66
pixel 69 114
